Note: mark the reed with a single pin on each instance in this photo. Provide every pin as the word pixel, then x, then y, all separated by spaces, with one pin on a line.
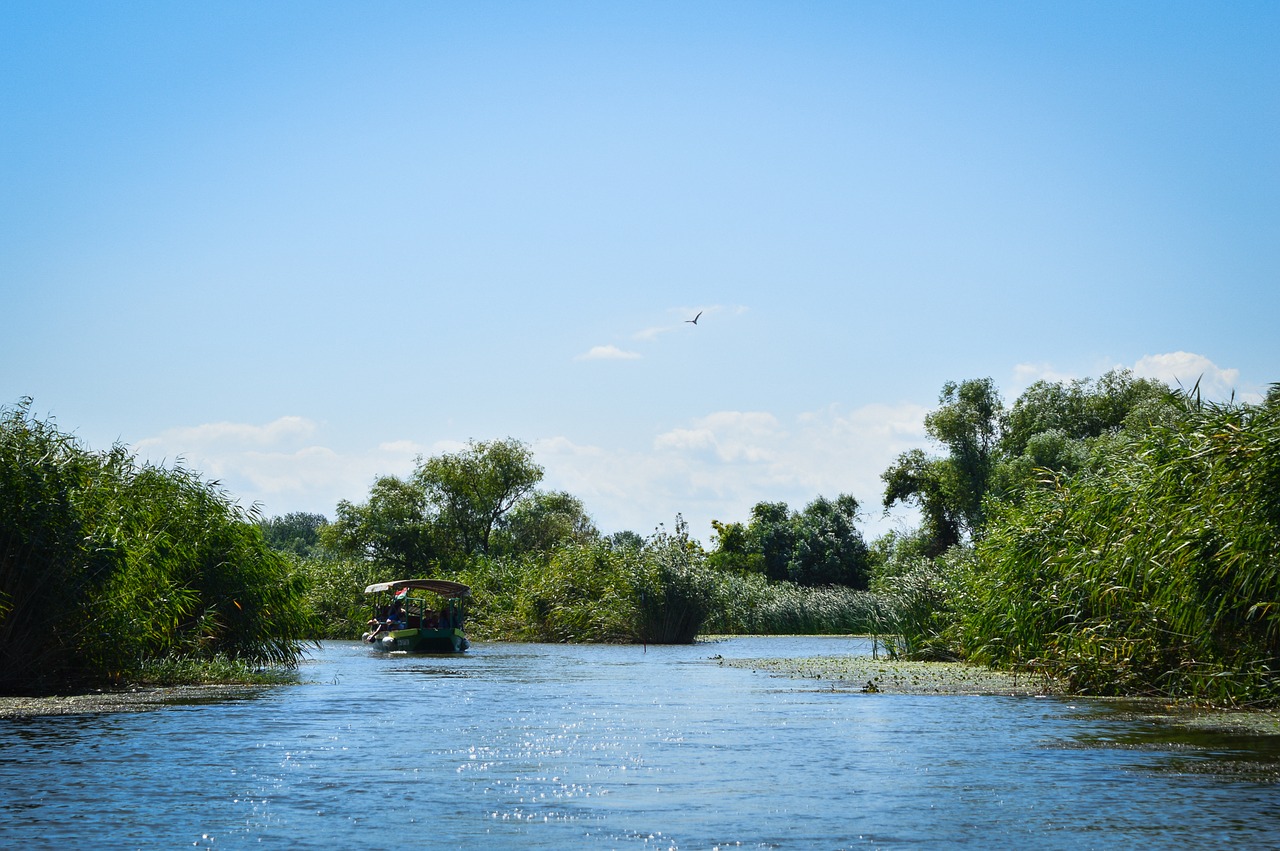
pixel 107 565
pixel 1157 572
pixel 750 604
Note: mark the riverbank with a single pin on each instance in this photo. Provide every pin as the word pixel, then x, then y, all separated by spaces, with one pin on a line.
pixel 867 675
pixel 138 699
pixel 864 675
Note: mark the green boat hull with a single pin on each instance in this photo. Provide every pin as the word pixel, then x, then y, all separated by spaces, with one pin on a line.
pixel 421 641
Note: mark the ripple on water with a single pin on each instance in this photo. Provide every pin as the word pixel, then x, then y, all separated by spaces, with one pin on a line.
pixel 542 746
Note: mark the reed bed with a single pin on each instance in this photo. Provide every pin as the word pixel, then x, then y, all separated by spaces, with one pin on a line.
pixel 750 604
pixel 1158 572
pixel 107 565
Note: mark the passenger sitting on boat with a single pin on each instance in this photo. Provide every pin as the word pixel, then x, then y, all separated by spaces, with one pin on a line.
pixel 393 619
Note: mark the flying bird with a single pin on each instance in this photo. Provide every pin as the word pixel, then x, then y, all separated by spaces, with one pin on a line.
pixel 694 320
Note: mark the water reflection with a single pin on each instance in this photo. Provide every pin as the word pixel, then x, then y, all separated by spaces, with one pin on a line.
pixel 541 746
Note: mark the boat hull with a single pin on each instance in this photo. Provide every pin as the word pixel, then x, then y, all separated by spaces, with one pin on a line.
pixel 421 641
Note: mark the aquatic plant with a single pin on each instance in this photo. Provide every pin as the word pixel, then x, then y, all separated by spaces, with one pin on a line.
pixel 107 564
pixel 1157 571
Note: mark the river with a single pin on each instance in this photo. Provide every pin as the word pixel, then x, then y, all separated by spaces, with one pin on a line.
pixel 552 746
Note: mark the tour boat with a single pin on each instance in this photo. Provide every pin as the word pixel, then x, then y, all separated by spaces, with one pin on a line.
pixel 418 616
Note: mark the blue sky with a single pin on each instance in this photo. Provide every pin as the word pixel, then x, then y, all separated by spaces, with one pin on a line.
pixel 298 244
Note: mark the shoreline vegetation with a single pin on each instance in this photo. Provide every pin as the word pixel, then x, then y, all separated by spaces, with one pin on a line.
pixel 1108 538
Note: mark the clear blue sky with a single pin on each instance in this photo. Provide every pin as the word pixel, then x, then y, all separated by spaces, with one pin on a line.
pixel 297 244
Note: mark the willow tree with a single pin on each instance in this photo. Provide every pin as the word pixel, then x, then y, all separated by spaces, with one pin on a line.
pixel 445 512
pixel 950 490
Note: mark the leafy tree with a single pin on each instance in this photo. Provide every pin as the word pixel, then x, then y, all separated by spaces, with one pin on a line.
pixel 735 549
pixel 819 546
pixel 829 549
pixel 541 522
pixel 950 490
pixel 1056 426
pixel 968 424
pixel 297 532
pixel 395 528
pixel 626 540
pixel 446 511
pixel 473 489
pixel 915 479
pixel 1078 410
pixel 773 536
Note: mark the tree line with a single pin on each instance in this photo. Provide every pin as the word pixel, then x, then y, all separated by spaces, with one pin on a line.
pixel 1112 533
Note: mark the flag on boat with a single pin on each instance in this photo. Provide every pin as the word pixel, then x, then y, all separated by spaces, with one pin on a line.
pixel 402 593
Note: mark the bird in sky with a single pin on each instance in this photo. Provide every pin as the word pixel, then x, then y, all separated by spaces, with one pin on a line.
pixel 694 320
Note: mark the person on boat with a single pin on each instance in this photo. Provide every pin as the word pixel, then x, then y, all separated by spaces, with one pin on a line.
pixel 393 619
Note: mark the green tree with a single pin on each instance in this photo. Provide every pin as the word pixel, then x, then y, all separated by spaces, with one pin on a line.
pixel 818 546
pixel 734 549
pixel 473 489
pixel 1055 426
pixel 297 532
pixel 773 536
pixel 541 522
pixel 829 549
pixel 395 528
pixel 916 479
pixel 950 490
pixel 1078 410
pixel 446 512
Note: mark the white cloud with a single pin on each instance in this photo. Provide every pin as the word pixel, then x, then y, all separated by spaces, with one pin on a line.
pixel 276 464
pixel 212 434
pixel 1026 374
pixel 720 465
pixel 1184 369
pixel 608 353
pixel 1180 370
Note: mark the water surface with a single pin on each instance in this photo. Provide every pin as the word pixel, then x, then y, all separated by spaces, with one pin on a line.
pixel 548 746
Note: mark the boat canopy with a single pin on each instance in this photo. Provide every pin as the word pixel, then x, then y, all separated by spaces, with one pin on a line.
pixel 443 587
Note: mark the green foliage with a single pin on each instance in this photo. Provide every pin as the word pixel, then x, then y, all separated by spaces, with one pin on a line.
pixel 473 489
pixel 950 490
pixel 917 603
pixel 1155 572
pixel 1055 426
pixel 735 549
pixel 659 592
pixel 772 534
pixel 541 522
pixel 448 510
pixel 106 565
pixel 297 533
pixel 395 529
pixel 334 593
pixel 829 549
pixel 916 479
pixel 818 546
pixel 1076 410
pixel 677 591
pixel 752 604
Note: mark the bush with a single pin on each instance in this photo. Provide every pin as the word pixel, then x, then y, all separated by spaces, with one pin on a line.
pixel 107 565
pixel 1156 573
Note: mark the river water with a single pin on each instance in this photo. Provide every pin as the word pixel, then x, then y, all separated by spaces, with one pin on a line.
pixel 551 746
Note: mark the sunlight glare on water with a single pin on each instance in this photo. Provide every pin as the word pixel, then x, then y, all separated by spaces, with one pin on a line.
pixel 543 746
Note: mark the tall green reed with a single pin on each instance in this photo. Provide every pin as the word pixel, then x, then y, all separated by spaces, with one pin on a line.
pixel 1156 573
